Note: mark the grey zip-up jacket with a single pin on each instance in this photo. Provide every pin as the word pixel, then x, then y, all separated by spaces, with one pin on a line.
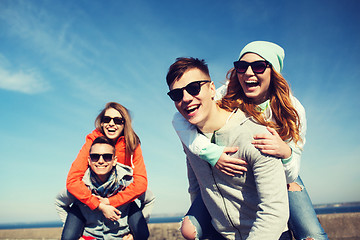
pixel 253 205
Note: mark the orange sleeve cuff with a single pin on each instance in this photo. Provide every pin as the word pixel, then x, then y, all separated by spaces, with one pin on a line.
pixel 93 203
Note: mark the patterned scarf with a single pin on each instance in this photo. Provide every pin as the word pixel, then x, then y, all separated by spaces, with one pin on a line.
pixel 108 188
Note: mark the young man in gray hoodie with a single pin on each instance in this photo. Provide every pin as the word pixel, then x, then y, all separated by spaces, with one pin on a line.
pixel 253 205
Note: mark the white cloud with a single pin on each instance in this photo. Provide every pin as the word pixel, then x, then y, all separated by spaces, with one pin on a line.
pixel 29 81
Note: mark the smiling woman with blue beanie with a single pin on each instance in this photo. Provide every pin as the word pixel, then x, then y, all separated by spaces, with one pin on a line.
pixel 273 105
pixel 256 86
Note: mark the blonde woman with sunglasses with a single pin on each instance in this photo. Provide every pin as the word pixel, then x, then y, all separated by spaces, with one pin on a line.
pixel 113 122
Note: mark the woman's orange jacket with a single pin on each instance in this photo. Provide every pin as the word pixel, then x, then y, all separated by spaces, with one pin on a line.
pixel 76 186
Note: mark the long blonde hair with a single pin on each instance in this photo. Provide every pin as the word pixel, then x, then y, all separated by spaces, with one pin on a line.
pixel 131 139
pixel 285 115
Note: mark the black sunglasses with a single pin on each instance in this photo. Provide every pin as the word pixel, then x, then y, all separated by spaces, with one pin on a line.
pixel 257 66
pixel 106 156
pixel 192 88
pixel 117 120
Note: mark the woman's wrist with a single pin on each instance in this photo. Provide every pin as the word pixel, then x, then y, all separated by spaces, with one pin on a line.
pixel 287 157
pixel 287 151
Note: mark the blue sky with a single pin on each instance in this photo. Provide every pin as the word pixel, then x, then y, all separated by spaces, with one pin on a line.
pixel 61 61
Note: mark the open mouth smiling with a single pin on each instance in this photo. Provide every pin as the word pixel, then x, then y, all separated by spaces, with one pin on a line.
pixel 101 166
pixel 191 109
pixel 111 130
pixel 252 83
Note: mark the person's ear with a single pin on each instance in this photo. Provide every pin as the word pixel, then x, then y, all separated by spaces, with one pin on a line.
pixel 89 159
pixel 115 161
pixel 213 89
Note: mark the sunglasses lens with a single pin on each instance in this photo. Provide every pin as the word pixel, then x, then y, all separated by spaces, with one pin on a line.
pixel 241 66
pixel 119 121
pixel 107 157
pixel 106 119
pixel 258 67
pixel 176 94
pixel 193 88
pixel 94 157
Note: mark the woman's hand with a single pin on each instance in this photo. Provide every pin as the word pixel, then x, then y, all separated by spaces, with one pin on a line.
pixel 110 212
pixel 272 144
pixel 230 165
pixel 128 237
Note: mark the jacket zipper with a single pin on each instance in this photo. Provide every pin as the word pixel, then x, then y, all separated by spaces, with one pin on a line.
pixel 223 199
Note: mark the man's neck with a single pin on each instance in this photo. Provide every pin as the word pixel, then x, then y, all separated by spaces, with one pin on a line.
pixel 216 120
pixel 103 178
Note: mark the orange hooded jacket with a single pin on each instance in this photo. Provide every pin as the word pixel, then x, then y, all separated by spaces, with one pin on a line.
pixel 76 186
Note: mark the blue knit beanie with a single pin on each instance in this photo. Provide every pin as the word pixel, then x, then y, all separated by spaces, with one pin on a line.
pixel 271 52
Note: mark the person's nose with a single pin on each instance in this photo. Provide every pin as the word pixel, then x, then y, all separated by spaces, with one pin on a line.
pixel 112 122
pixel 249 71
pixel 101 160
pixel 187 96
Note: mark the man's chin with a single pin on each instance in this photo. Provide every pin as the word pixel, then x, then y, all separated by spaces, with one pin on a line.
pixel 193 121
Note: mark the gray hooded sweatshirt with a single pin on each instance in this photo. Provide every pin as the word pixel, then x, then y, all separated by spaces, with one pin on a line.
pixel 253 205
